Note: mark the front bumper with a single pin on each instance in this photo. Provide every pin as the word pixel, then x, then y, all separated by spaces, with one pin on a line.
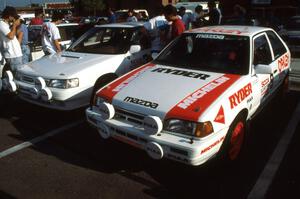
pixel 162 145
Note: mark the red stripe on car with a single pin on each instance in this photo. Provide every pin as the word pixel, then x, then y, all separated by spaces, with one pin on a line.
pixel 113 88
pixel 192 106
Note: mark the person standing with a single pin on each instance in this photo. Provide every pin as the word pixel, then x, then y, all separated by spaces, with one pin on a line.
pixel 38 19
pixel 111 16
pixel 22 36
pixel 10 47
pixel 156 27
pixel 214 14
pixel 185 17
pixel 51 35
pixel 131 17
pixel 198 17
pixel 177 27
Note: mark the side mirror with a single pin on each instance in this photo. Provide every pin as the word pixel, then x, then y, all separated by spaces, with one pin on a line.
pixel 263 69
pixel 135 49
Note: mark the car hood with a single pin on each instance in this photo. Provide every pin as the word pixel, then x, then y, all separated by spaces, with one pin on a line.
pixel 64 64
pixel 167 92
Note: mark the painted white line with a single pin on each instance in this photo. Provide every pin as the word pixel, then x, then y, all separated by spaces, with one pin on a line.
pixel 265 179
pixel 38 139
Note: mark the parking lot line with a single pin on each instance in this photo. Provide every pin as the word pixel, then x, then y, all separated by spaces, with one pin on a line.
pixel 39 139
pixel 265 179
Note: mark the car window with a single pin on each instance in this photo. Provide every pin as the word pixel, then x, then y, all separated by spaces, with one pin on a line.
pixel 210 52
pixel 277 45
pixel 67 32
pixel 102 40
pixel 262 53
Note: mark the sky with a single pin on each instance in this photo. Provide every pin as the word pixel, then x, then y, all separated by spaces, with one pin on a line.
pixel 20 3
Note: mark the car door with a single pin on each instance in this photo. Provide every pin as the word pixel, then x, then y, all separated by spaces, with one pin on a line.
pixel 281 58
pixel 141 57
pixel 262 83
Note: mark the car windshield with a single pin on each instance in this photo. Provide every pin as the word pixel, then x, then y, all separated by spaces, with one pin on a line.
pixel 293 24
pixel 67 32
pixel 104 40
pixel 209 52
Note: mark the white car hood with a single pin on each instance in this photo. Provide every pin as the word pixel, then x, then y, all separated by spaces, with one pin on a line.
pixel 65 64
pixel 164 90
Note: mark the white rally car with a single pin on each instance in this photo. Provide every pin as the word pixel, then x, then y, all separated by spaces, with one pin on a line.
pixel 67 81
pixel 194 100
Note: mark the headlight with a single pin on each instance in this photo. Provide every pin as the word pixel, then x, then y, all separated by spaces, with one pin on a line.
pixel 200 130
pixel 63 83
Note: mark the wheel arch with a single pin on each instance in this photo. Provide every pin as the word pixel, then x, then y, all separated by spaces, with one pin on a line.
pixel 102 81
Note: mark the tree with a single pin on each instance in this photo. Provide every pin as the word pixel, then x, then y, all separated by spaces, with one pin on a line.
pixel 89 6
pixel 93 5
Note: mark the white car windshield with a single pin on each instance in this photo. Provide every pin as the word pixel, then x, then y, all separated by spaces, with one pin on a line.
pixel 208 52
pixel 105 40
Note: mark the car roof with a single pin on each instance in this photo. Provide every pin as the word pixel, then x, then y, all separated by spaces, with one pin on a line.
pixel 231 30
pixel 122 25
pixel 59 25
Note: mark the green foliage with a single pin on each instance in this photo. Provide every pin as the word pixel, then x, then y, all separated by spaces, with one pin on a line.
pixel 93 5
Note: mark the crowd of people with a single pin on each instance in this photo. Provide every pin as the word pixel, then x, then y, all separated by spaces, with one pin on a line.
pixel 166 25
pixel 14 48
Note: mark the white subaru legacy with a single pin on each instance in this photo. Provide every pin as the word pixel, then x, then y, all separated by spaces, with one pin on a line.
pixel 67 80
pixel 194 100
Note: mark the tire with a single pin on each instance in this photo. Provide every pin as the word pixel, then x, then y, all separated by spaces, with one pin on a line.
pixel 102 81
pixel 234 142
pixel 284 89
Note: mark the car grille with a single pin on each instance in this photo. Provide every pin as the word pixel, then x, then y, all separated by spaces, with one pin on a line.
pixel 122 114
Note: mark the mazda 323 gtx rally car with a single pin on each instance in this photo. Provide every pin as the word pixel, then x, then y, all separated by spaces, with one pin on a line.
pixel 194 100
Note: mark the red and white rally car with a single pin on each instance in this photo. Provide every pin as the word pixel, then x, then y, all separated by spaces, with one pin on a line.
pixel 194 100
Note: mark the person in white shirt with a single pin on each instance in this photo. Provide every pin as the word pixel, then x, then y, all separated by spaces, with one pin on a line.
pixel 51 35
pixel 155 27
pixel 9 45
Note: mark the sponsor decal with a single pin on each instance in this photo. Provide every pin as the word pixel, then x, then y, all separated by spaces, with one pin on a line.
pixel 283 62
pixel 220 118
pixel 213 145
pixel 193 105
pixel 210 36
pixel 181 73
pixel 223 30
pixel 201 92
pixel 265 82
pixel 250 99
pixel 116 86
pixel 240 95
pixel 124 140
pixel 141 102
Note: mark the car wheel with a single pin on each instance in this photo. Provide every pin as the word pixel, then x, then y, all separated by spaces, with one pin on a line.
pixel 235 139
pixel 284 89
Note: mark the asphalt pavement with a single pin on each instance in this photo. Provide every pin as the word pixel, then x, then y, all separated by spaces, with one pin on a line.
pixel 286 183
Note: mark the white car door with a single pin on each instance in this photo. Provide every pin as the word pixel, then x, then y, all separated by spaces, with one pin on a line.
pixel 262 83
pixel 281 58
